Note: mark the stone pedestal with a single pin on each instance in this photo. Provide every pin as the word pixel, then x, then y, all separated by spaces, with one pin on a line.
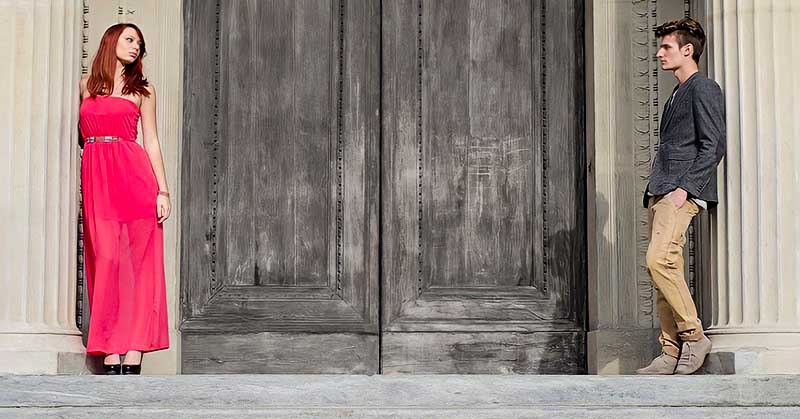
pixel 39 76
pixel 755 324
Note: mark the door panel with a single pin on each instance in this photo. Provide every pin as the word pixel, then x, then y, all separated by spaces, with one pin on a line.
pixel 482 353
pixel 483 186
pixel 276 162
pixel 281 185
pixel 461 121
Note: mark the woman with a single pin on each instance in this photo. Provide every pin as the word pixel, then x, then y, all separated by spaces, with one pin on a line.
pixel 125 202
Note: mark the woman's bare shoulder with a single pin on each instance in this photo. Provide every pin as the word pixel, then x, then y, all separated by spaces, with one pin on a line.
pixel 150 98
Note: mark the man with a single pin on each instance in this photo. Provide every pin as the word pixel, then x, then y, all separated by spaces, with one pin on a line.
pixel 682 181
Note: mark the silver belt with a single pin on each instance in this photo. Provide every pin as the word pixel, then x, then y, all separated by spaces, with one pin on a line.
pixel 102 139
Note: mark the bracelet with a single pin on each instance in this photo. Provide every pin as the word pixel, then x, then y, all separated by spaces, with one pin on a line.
pixel 164 193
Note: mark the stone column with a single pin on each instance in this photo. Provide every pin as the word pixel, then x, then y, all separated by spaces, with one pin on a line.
pixel 162 26
pixel 755 55
pixel 624 91
pixel 39 75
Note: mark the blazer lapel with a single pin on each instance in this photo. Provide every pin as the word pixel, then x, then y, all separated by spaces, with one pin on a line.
pixel 669 109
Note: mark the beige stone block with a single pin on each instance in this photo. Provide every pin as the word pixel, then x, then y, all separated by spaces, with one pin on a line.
pixel 760 351
pixel 42 354
pixel 620 351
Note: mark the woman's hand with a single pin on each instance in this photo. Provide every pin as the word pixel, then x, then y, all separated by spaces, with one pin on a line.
pixel 163 208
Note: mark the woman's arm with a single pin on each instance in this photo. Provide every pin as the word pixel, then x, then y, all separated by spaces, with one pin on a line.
pixel 153 149
pixel 84 83
pixel 83 91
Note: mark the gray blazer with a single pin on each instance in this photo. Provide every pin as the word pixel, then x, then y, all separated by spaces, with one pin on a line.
pixel 692 141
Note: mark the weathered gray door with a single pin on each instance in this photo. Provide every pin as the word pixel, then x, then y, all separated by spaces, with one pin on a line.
pixel 483 186
pixel 280 186
pixel 392 186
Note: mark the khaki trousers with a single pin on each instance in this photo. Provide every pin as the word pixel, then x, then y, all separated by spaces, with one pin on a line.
pixel 676 310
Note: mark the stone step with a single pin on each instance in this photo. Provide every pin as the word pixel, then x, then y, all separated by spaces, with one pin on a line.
pixel 441 396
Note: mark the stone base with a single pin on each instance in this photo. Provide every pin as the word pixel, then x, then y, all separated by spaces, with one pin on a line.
pixel 42 354
pixel 753 353
pixel 621 351
pixel 166 362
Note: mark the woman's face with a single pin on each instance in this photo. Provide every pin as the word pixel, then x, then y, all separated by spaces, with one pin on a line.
pixel 128 46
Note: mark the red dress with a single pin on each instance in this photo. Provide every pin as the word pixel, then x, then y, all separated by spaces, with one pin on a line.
pixel 123 241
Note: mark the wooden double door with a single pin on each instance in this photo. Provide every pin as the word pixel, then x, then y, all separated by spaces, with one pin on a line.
pixel 383 186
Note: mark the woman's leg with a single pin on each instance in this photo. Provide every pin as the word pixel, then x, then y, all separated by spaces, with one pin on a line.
pixel 133 363
pixel 133 358
pixel 111 359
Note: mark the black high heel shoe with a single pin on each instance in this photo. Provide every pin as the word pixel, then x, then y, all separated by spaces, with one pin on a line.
pixel 112 369
pixel 131 369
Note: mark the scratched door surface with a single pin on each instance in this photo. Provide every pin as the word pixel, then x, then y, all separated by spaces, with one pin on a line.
pixel 443 139
pixel 483 186
pixel 280 187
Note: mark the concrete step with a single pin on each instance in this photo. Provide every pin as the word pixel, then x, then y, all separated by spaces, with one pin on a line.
pixel 441 396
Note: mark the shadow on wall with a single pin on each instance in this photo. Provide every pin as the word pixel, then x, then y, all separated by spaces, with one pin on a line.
pixel 565 351
pixel 620 348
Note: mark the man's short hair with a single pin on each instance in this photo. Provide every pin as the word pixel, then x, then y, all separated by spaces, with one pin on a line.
pixel 687 31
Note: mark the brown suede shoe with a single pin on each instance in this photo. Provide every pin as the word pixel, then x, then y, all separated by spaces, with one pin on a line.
pixel 662 365
pixel 693 354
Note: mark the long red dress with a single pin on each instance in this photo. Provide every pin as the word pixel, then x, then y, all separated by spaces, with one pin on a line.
pixel 123 241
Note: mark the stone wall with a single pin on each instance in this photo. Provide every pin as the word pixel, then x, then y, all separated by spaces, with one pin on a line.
pixel 39 77
pixel 625 91
pixel 162 26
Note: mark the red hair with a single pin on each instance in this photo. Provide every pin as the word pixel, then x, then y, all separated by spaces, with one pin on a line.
pixel 101 80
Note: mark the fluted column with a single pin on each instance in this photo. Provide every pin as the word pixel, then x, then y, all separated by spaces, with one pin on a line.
pixel 39 74
pixel 755 325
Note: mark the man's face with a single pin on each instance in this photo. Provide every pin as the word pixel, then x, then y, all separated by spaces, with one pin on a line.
pixel 672 56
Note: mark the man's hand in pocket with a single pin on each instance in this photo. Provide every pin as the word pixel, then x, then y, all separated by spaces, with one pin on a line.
pixel 678 197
